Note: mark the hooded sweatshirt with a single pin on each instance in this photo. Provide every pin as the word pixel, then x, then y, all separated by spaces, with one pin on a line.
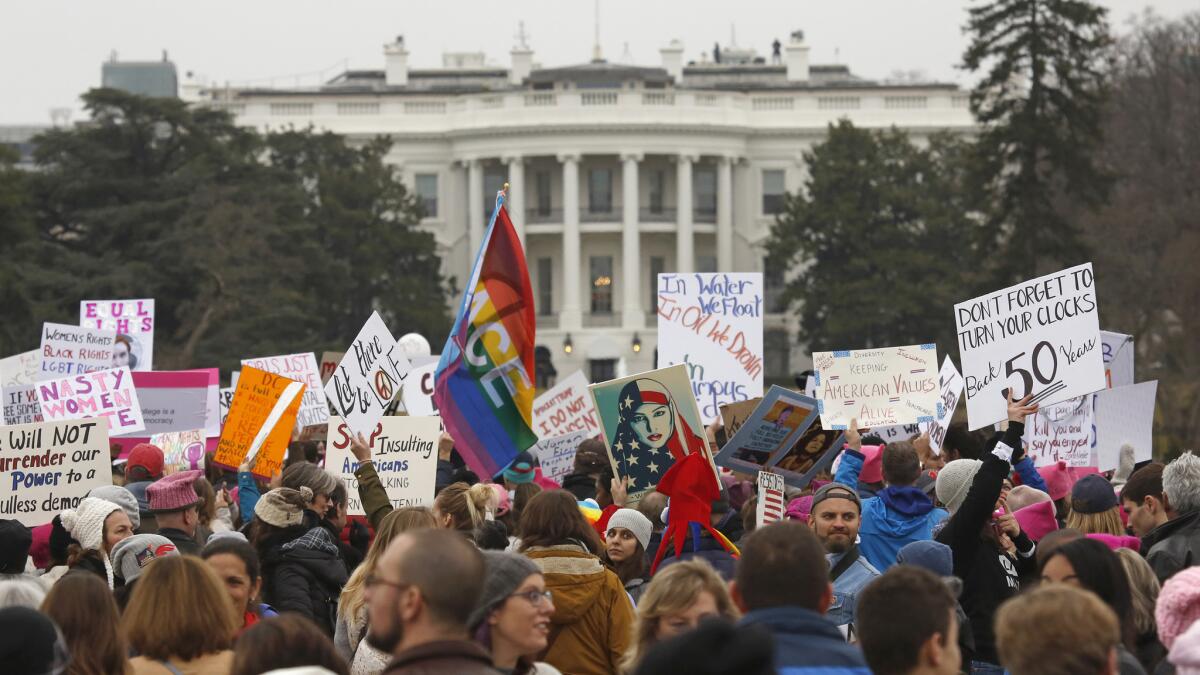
pixel 899 515
pixel 593 617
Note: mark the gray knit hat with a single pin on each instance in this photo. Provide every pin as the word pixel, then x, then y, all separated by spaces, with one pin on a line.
pixel 131 555
pixel 284 507
pixel 635 522
pixel 503 575
pixel 123 498
pixel 954 481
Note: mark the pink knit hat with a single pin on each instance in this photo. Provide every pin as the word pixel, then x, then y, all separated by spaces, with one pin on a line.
pixel 1116 542
pixel 174 492
pixel 1058 479
pixel 1178 605
pixel 872 471
pixel 1037 520
pixel 799 508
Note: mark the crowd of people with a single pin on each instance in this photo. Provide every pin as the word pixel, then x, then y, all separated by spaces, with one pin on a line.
pixel 902 561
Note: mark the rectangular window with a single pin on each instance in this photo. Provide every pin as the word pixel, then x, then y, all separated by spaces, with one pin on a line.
pixel 773 190
pixel 427 192
pixel 658 184
pixel 602 370
pixel 493 182
pixel 542 178
pixel 600 269
pixel 600 197
pixel 777 351
pixel 704 185
pixel 706 264
pixel 658 265
pixel 545 287
pixel 773 287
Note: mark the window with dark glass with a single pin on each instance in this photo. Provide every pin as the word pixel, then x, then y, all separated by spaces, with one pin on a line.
pixel 704 183
pixel 602 370
pixel 542 179
pixel 658 265
pixel 545 297
pixel 773 191
pixel 600 197
pixel 600 269
pixel 427 193
pixel 658 183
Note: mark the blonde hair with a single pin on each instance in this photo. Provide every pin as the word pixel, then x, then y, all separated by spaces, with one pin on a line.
pixel 180 609
pixel 672 591
pixel 1143 589
pixel 1105 522
pixel 393 525
pixel 467 505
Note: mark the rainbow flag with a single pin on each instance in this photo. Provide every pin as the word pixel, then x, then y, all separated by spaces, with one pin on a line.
pixel 484 382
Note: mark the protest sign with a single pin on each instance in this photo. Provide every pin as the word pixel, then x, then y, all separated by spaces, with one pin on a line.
pixel 1062 431
pixel 712 323
pixel 734 415
pixel 405 453
pixel 368 377
pixel 878 387
pixel 301 368
pixel 329 363
pixel 1039 338
pixel 173 400
pixel 48 467
pixel 132 321
pixel 226 400
pixel 21 404
pixel 20 368
pixel 557 455
pixel 770 506
pixel 1125 415
pixel 259 426
pixel 768 431
pixel 182 450
pixel 895 432
pixel 812 453
pixel 72 350
pixel 1117 350
pixel 649 420
pixel 951 384
pixel 564 408
pixel 106 393
pixel 417 392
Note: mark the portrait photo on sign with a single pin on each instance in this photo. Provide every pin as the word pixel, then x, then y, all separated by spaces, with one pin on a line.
pixel 649 421
pixel 127 351
pixel 768 430
pixel 812 452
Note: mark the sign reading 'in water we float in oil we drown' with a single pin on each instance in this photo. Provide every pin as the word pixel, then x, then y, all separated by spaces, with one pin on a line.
pixel 1039 338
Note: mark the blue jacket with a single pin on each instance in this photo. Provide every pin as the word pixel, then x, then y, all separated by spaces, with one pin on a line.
pixel 847 587
pixel 898 516
pixel 807 643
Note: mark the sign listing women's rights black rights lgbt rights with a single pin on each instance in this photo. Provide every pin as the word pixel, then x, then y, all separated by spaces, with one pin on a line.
pixel 1039 337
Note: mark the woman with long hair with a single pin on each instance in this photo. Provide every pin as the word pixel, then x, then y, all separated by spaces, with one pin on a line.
pixel 677 600
pixel 512 620
pixel 352 607
pixel 625 545
pixel 462 507
pixel 1143 592
pixel 237 566
pixel 97 525
pixel 1094 507
pixel 86 613
pixel 180 620
pixel 593 614
pixel 284 642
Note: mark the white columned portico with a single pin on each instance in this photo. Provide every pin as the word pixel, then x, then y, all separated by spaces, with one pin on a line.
pixel 474 207
pixel 570 314
pixel 516 194
pixel 685 238
pixel 725 214
pixel 632 316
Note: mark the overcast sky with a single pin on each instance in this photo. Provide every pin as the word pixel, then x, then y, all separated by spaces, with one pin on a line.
pixel 51 50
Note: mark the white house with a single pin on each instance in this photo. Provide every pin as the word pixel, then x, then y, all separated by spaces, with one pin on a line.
pixel 617 172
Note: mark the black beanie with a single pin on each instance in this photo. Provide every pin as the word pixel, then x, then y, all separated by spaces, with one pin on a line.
pixel 29 642
pixel 716 647
pixel 15 540
pixel 60 541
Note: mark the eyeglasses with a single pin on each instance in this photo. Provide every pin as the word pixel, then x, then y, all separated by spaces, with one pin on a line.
pixel 374 580
pixel 535 598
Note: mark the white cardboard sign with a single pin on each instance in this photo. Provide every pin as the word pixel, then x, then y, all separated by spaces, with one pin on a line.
pixel 1039 337
pixel 770 507
pixel 301 368
pixel 369 376
pixel 1118 351
pixel 21 404
pixel 1125 415
pixel 565 408
pixel 557 455
pixel 48 467
pixel 72 350
pixel 1062 431
pixel 131 319
pixel 878 387
pixel 405 453
pixel 20 368
pixel 110 394
pixel 951 384
pixel 417 393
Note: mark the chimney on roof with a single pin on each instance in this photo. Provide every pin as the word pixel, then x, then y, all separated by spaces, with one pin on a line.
pixel 522 57
pixel 395 58
pixel 672 59
pixel 796 57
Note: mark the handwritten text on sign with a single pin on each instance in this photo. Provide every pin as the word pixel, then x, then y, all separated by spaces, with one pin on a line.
pixel 259 426
pixel 1063 431
pixel 951 383
pixel 105 393
pixel 21 404
pixel 770 498
pixel 879 387
pixel 1040 337
pixel 713 324
pixel 404 450
pixel 369 376
pixel 557 455
pixel 133 319
pixel 301 368
pixel 565 408
pixel 48 467
pixel 71 350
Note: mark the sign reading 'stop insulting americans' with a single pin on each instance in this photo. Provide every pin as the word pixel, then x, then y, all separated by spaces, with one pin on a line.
pixel 1039 338
pixel 878 387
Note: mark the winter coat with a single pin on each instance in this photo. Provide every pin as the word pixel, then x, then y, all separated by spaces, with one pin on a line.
pixel 371 493
pixel 593 618
pixel 582 485
pixel 184 543
pixel 710 551
pixel 806 642
pixel 449 657
pixel 1173 546
pixel 896 516
pixel 305 575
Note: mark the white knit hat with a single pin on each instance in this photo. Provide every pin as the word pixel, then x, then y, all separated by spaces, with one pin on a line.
pixel 85 524
pixel 635 522
pixel 954 481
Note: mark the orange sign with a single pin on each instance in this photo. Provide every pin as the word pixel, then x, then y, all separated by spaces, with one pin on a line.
pixel 260 421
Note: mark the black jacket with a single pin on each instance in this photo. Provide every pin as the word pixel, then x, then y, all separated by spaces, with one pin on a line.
pixel 305 574
pixel 351 557
pixel 989 575
pixel 582 485
pixel 1173 546
pixel 183 543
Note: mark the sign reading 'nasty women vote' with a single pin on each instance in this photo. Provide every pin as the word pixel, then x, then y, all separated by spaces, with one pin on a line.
pixel 878 387
pixel 48 467
pixel 565 408
pixel 712 323
pixel 71 350
pixel 132 321
pixel 369 376
pixel 301 368
pixel 105 393
pixel 404 451
pixel 1039 338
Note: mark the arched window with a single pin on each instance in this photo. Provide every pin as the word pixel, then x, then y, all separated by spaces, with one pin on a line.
pixel 545 373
